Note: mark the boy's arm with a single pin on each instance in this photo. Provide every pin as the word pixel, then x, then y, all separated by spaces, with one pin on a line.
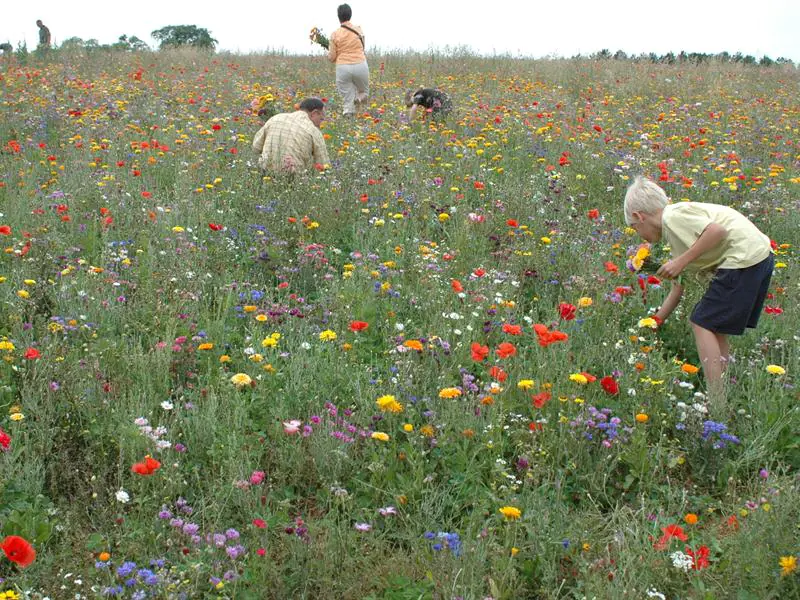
pixel 670 302
pixel 712 236
pixel 333 51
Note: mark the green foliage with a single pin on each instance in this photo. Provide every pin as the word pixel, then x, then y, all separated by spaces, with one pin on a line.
pixel 175 36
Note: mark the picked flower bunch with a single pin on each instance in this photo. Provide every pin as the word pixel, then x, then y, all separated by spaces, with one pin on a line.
pixel 264 105
pixel 317 37
pixel 641 260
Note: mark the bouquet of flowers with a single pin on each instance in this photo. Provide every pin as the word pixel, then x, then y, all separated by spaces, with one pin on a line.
pixel 317 37
pixel 264 105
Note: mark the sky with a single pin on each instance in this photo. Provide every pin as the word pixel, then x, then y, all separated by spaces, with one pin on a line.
pixel 519 28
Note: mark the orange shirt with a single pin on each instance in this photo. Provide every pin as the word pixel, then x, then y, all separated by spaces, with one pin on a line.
pixel 345 47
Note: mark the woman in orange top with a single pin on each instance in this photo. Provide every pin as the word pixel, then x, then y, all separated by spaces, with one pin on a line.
pixel 346 49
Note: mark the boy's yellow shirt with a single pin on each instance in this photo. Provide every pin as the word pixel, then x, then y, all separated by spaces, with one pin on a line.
pixel 744 246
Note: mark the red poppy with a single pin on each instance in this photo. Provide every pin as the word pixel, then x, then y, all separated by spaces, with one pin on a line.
pixel 512 329
pixel 567 311
pixel 653 280
pixel 147 467
pixel 598 129
pixel 512 223
pixel 773 310
pixel 216 127
pixel 5 440
pixel 610 385
pixel 260 523
pixel 32 354
pixel 540 399
pixel 593 214
pixel 670 532
pixel 498 374
pixel 699 558
pixel 479 272
pixel 216 227
pixel 356 326
pixel 18 550
pixel 147 194
pixel 479 185
pixel 5 230
pixel 623 290
pixel 611 267
pixel 506 350
pixel 479 353
pixel 456 285
pixel 547 337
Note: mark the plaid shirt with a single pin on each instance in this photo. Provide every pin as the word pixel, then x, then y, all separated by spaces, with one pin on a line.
pixel 290 142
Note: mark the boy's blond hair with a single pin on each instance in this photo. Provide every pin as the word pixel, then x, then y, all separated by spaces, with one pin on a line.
pixel 644 196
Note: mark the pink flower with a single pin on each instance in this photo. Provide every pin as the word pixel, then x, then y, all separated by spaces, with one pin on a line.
pixel 363 527
pixel 257 477
pixel 260 523
pixel 5 440
pixel 261 551
pixel 292 427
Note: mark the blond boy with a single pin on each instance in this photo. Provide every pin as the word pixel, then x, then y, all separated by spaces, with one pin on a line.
pixel 715 243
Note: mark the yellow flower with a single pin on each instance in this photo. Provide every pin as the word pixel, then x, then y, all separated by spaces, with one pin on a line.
pixel 178 229
pixel 449 392
pixel 545 240
pixel 241 380
pixel 29 281
pixel 7 346
pixel 256 358
pixel 443 217
pixel 327 335
pixel 261 317
pixel 579 378
pixel 648 322
pixel 389 403
pixel 514 551
pixel 642 418
pixel 525 384
pixel 205 346
pixel 585 301
pixel 269 342
pixel 788 565
pixel 776 370
pixel 224 358
pixel 380 436
pixel 428 430
pixel 511 512
pixel 18 416
pixel 23 294
pixel 248 308
pixel 408 428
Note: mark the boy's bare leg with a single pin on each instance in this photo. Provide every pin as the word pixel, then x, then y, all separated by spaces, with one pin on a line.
pixel 710 347
pixel 724 350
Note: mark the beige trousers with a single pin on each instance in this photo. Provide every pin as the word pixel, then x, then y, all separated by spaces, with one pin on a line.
pixel 352 83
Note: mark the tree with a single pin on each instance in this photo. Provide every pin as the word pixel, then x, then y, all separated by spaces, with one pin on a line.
pixel 175 36
pixel 132 43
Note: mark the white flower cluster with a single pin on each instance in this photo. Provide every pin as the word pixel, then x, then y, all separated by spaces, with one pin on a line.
pixel 154 433
pixel 682 562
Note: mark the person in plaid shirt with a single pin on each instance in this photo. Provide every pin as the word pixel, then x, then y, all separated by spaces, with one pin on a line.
pixel 293 142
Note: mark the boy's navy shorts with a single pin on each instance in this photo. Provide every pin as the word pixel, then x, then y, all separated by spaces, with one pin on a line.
pixel 734 299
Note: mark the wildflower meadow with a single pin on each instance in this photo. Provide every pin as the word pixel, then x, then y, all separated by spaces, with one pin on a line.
pixel 424 371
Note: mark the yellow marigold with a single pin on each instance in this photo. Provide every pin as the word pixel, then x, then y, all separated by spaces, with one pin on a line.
pixel 327 335
pixel 642 418
pixel 23 294
pixel 648 322
pixel 389 403
pixel 545 240
pixel 269 342
pixel 7 346
pixel 248 308
pixel 428 430
pixel 690 519
pixel 788 565
pixel 261 317
pixel 579 378
pixel 224 358
pixel 380 436
pixel 205 346
pixel 443 217
pixel 241 380
pixel 525 384
pixel 18 416
pixel 408 427
pixel 29 281
pixel 585 301
pixel 413 345
pixel 776 370
pixel 449 392
pixel 511 512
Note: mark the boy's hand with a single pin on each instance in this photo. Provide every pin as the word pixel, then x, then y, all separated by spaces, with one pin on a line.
pixel 671 269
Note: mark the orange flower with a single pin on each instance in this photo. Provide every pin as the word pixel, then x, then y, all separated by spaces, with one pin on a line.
pixel 456 285
pixel 498 374
pixel 688 368
pixel 512 329
pixel 540 399
pixel 690 519
pixel 413 345
pixel 506 350
pixel 547 337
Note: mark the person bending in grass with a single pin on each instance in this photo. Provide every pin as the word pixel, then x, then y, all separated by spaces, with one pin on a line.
pixel 719 246
pixel 292 142
pixel 435 102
